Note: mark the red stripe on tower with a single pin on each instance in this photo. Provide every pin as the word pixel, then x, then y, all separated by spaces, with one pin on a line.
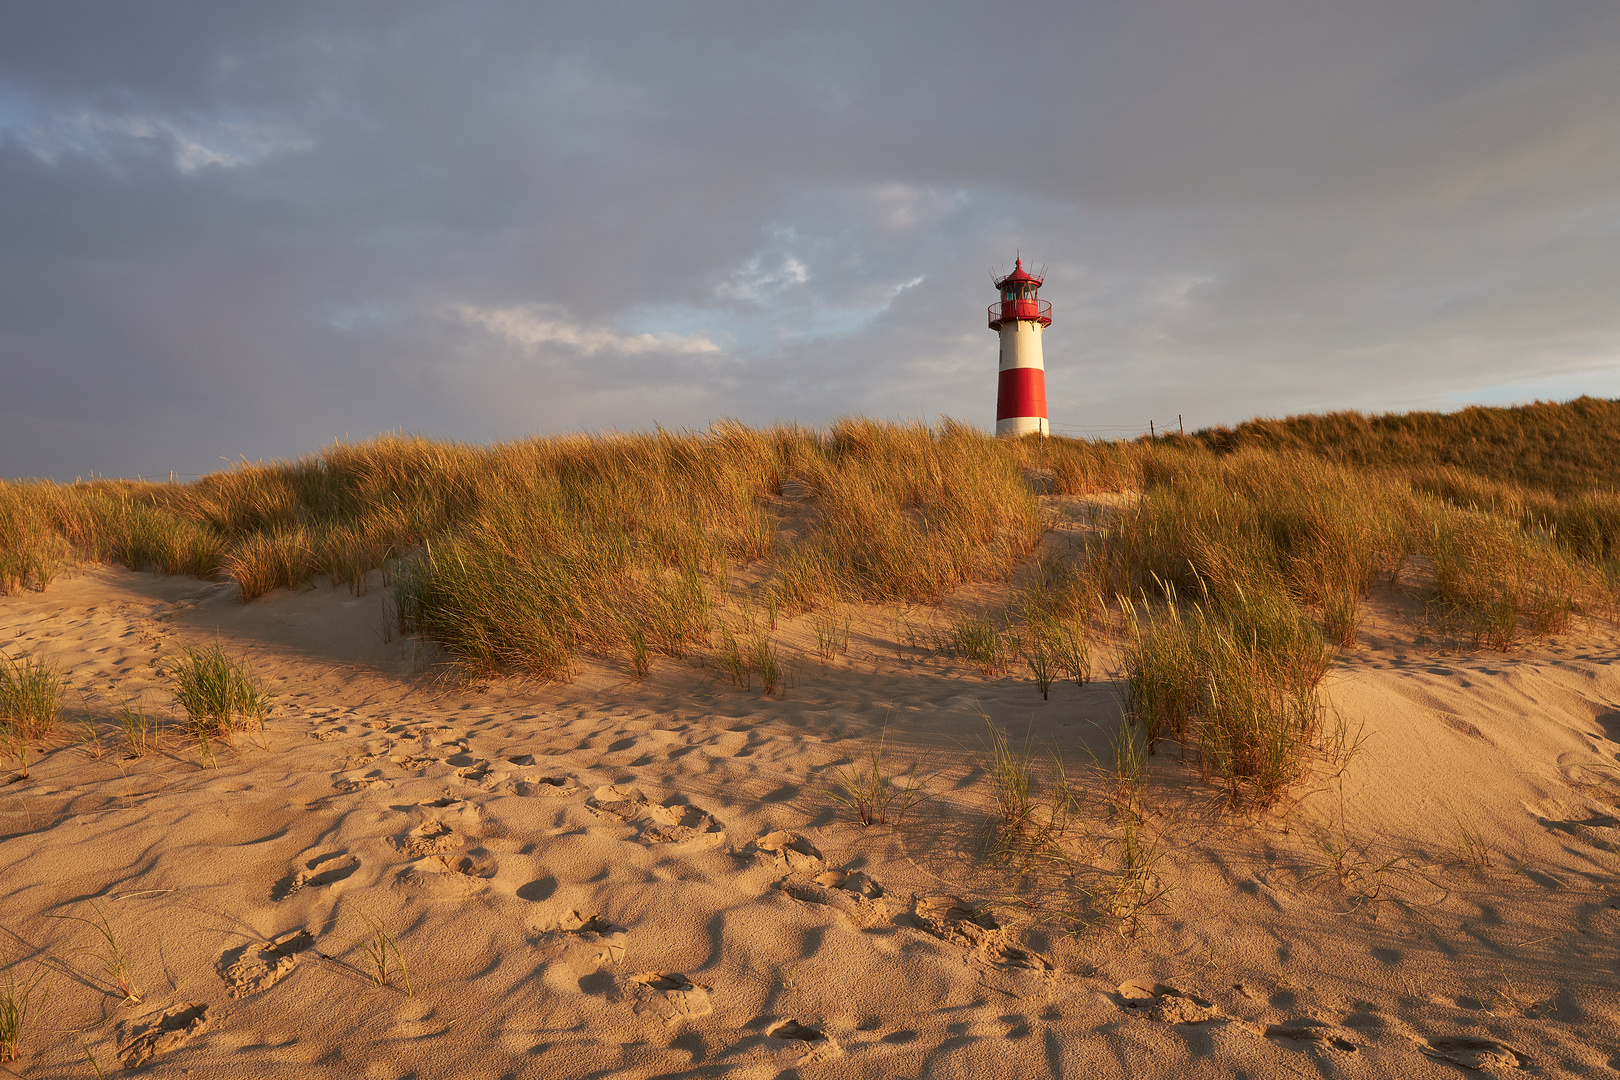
pixel 1019 317
pixel 1022 393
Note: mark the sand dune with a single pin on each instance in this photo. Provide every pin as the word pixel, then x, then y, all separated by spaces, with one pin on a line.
pixel 610 878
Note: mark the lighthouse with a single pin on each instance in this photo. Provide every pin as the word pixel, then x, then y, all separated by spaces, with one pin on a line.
pixel 1019 317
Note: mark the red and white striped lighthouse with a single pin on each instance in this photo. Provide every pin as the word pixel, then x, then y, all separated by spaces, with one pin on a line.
pixel 1019 317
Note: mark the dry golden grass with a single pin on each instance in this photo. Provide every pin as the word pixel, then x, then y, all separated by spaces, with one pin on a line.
pixel 1245 556
pixel 31 694
pixel 1563 449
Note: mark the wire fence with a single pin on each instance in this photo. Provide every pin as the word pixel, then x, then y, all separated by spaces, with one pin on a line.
pixel 158 476
pixel 1115 432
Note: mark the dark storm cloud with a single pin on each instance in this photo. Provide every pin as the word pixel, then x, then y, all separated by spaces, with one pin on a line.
pixel 252 229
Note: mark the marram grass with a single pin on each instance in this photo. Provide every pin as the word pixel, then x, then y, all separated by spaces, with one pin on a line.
pixel 21 1001
pixel 528 555
pixel 30 697
pixel 219 693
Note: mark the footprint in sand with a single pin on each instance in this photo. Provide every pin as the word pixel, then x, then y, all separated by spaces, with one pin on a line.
pixel 432 837
pixel 1165 1004
pixel 452 808
pixel 253 967
pixel 575 923
pixel 802 1043
pixel 1313 1032
pixel 442 738
pixel 682 823
pixel 439 869
pixel 320 871
pixel 614 801
pixel 478 864
pixel 526 785
pixel 950 919
pixel 788 848
pixel 160 1033
pixel 854 882
pixel 852 894
pixel 449 876
pixel 553 787
pixel 587 943
pixel 670 823
pixel 474 772
pixel 670 996
pixel 1473 1053
pixel 348 785
pixel 792 1029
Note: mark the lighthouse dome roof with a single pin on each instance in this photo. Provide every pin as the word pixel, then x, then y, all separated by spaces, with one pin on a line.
pixel 1018 276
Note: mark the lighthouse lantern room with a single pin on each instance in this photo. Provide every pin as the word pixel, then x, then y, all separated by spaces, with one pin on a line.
pixel 1019 317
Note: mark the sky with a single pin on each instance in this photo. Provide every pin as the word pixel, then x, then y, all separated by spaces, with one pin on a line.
pixel 246 231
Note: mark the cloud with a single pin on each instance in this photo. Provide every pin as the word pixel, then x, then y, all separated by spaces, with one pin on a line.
pixel 112 138
pixel 532 326
pixel 249 230
pixel 752 282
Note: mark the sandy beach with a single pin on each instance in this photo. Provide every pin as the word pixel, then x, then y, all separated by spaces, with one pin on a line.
pixel 618 878
pixel 645 541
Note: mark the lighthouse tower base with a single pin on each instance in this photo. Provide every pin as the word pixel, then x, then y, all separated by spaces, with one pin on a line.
pixel 1014 426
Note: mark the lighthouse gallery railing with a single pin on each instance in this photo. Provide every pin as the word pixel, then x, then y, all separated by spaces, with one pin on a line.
pixel 1008 310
